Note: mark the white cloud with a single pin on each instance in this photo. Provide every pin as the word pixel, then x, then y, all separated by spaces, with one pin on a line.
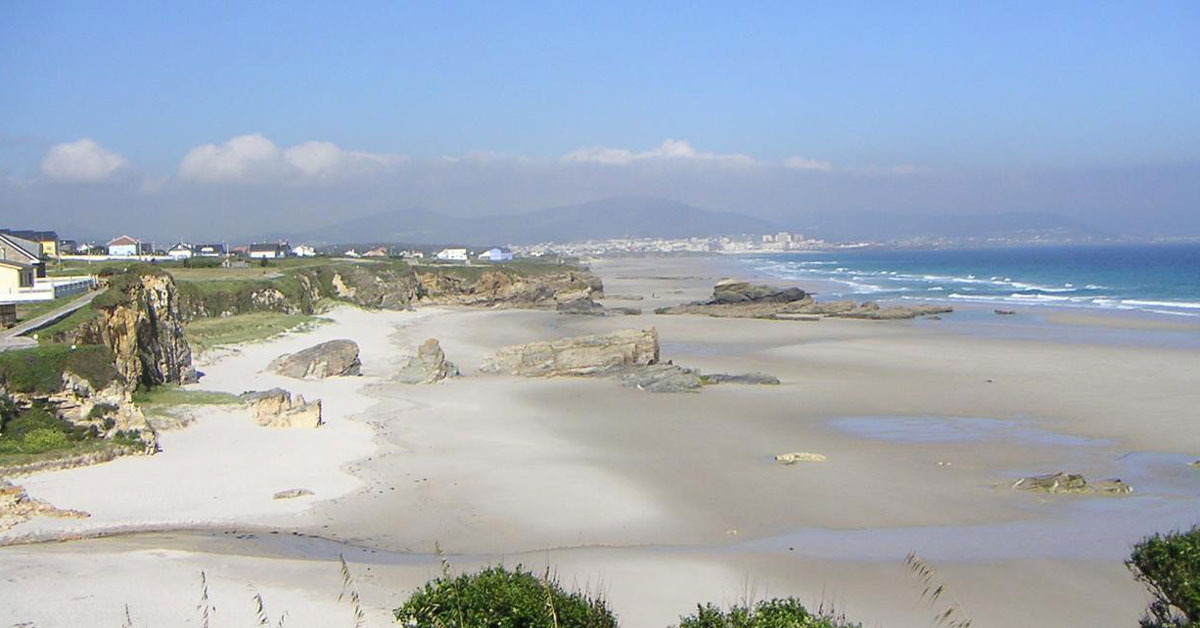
pixel 254 158
pixel 803 163
pixel 668 150
pixel 81 162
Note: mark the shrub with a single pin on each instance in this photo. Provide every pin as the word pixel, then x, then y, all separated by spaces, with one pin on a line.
pixel 101 410
pixel 42 440
pixel 498 598
pixel 30 421
pixel 777 613
pixel 1169 566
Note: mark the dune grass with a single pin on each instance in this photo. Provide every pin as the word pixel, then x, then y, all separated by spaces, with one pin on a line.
pixel 169 395
pixel 205 333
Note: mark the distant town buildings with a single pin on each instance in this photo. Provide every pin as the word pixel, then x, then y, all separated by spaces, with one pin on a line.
pixel 496 255
pixel 125 246
pixel 452 255
pixel 304 250
pixel 275 250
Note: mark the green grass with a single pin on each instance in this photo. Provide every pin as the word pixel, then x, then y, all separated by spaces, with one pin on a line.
pixel 40 369
pixel 205 333
pixel 74 449
pixel 28 310
pixel 168 395
pixel 72 322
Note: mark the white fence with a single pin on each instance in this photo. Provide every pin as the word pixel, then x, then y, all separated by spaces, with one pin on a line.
pixel 50 288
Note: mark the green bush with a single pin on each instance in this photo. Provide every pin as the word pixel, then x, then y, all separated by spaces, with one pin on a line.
pixel 101 410
pixel 30 421
pixel 1169 566
pixel 42 440
pixel 499 598
pixel 777 613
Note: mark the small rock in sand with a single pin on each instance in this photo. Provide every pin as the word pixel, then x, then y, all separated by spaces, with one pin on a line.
pixel 1071 483
pixel 292 493
pixel 799 456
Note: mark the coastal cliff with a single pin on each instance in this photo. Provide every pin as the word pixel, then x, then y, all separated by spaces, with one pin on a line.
pixel 140 321
pixel 390 286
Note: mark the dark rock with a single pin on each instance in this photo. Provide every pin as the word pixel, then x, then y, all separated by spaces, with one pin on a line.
pixel 580 306
pixel 741 378
pixel 328 359
pixel 1005 312
pixel 660 378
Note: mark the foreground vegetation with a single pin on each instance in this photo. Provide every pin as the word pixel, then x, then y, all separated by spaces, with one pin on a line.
pixel 40 369
pixel 1169 566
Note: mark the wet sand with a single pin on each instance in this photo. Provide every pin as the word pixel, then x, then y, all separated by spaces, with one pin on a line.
pixel 667 500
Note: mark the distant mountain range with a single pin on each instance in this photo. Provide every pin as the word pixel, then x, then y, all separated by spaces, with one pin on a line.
pixel 596 220
pixel 638 217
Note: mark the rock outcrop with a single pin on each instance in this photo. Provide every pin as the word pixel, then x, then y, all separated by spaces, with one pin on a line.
pixel 293 493
pixel 1071 483
pixel 580 355
pixel 279 408
pixel 796 457
pixel 16 507
pixel 140 321
pixel 328 359
pixel 428 365
pixel 498 287
pixel 752 379
pixel 660 378
pixel 739 299
pixel 581 306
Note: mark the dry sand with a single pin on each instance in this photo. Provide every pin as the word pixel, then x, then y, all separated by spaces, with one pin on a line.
pixel 661 501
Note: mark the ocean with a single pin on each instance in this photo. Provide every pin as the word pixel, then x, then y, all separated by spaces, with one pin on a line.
pixel 1159 278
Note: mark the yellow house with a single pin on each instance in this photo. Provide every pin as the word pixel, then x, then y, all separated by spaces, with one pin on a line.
pixel 14 276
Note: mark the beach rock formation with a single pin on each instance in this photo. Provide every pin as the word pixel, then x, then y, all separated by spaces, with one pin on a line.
pixel 580 355
pixel 293 493
pixel 739 299
pixel 1005 312
pixel 427 365
pixel 753 379
pixel 581 305
pixel 728 292
pixel 140 321
pixel 16 507
pixel 278 408
pixel 506 287
pixel 660 378
pixel 328 359
pixel 799 456
pixel 1071 483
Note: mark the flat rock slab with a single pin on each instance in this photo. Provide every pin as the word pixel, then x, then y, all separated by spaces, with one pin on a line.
pixel 1071 483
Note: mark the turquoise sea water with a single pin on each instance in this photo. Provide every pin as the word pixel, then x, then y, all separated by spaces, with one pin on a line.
pixel 1163 278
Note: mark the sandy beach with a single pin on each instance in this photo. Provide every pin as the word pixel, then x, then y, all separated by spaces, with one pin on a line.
pixel 660 501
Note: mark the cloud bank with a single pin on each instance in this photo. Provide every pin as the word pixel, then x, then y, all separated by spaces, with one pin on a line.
pixel 255 159
pixel 83 161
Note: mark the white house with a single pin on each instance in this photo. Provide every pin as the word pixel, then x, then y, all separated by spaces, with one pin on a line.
pixel 269 250
pixel 304 250
pixel 452 255
pixel 182 250
pixel 352 253
pixel 124 246
pixel 496 255
pixel 209 250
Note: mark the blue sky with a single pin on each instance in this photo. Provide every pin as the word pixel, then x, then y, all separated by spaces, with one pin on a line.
pixel 963 90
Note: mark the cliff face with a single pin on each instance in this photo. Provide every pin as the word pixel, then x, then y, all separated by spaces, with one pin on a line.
pixel 140 320
pixel 497 287
pixel 390 287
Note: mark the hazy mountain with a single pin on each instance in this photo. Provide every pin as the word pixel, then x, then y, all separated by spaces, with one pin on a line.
pixel 882 226
pixel 602 219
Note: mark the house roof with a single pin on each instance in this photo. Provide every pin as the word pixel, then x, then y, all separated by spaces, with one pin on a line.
pixel 29 250
pixel 123 240
pixel 182 246
pixel 273 246
pixel 36 236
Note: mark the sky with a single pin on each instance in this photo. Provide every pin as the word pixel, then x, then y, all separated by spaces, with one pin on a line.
pixel 201 118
